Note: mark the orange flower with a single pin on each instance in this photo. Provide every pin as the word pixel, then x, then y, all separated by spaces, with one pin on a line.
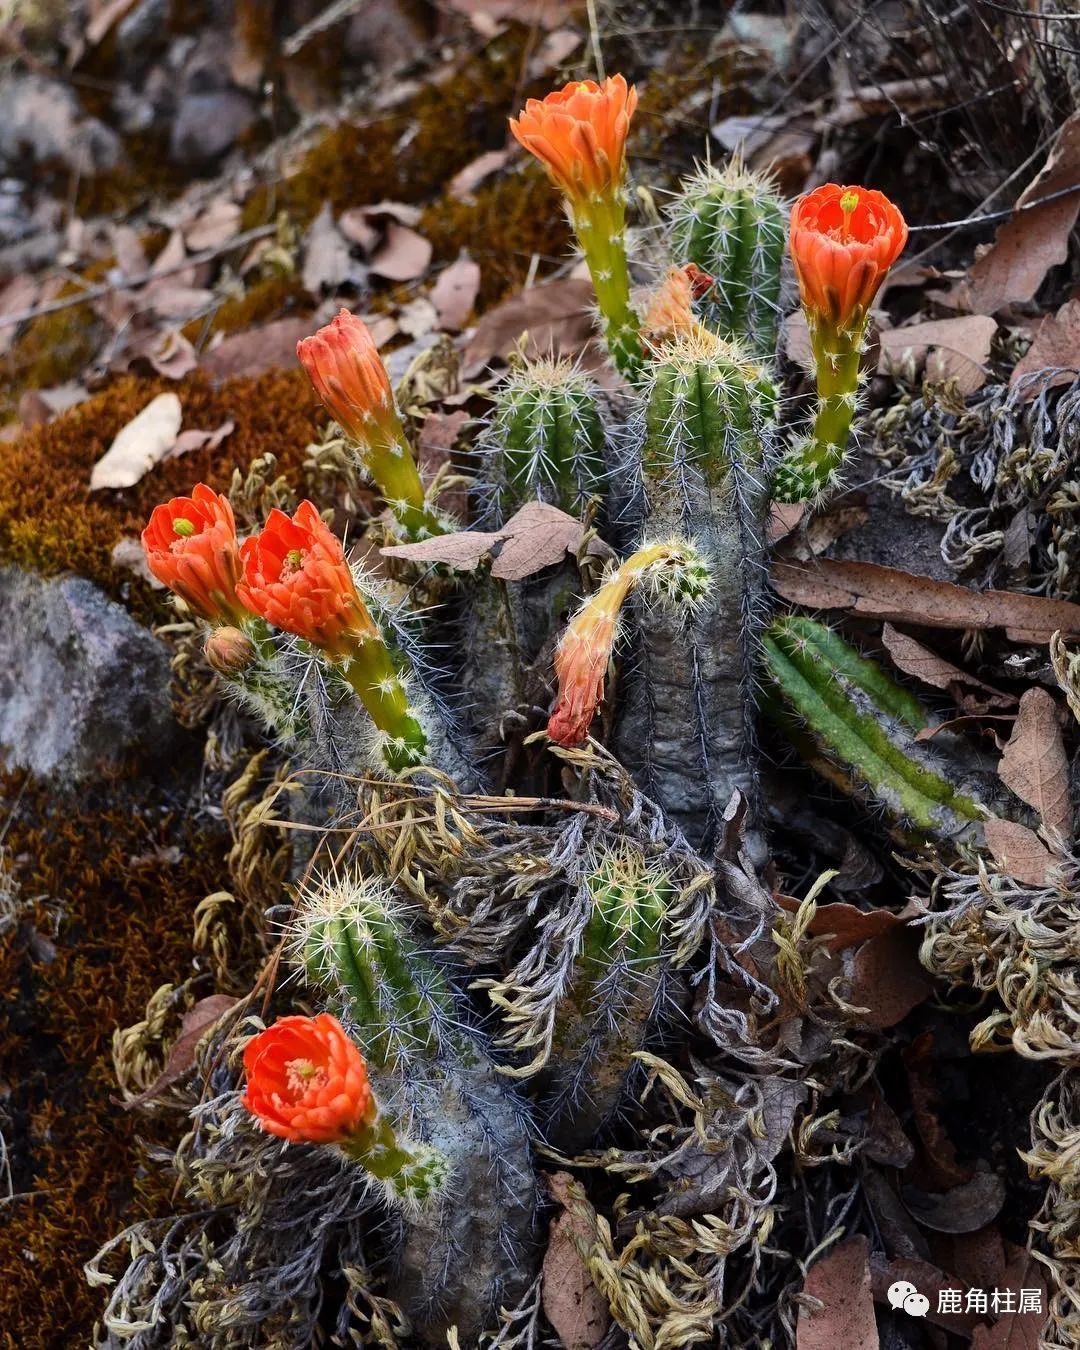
pixel 307 1082
pixel 191 546
pixel 344 365
pixel 670 313
pixel 579 134
pixel 581 663
pixel 296 577
pixel 843 242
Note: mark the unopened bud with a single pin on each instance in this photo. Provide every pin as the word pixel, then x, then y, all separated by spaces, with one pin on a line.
pixel 229 651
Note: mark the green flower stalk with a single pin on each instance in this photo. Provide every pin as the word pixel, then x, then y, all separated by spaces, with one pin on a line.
pixel 343 364
pixel 547 437
pixel 732 224
pixel 579 134
pixel 858 727
pixel 843 242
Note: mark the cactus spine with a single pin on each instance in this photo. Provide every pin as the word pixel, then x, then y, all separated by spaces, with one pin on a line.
pixel 687 726
pixel 547 434
pixel 731 223
pixel 861 722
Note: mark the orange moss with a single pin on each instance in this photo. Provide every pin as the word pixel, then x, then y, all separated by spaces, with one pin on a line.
pixel 125 928
pixel 51 522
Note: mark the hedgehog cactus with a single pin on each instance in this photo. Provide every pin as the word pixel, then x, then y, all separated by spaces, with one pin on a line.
pixel 861 727
pixel 703 445
pixel 547 437
pixel 732 224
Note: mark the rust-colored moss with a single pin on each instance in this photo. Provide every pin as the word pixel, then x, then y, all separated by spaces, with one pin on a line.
pixel 126 906
pixel 51 522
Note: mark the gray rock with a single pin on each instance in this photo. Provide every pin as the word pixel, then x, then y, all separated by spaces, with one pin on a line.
pixel 83 687
pixel 41 120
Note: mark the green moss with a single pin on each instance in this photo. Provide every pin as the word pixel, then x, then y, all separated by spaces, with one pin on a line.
pixel 125 927
pixel 266 299
pixel 51 522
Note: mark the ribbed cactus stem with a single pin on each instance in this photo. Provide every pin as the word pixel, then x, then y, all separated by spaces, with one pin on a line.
pixel 600 224
pixel 413 1174
pixel 863 722
pixel 688 724
pixel 249 662
pixel 813 465
pixel 352 941
pixel 387 458
pixel 731 223
pixel 548 437
pixel 372 673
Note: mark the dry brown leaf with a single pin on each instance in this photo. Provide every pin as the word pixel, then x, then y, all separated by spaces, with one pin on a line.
pixel 355 224
pixel 943 349
pixel 327 260
pixel 1017 1331
pixel 557 317
pixel 21 292
pixel 847 924
pixel 1034 765
pixel 137 447
pixel 1018 851
pixel 535 537
pixel 1031 241
pixel 403 254
pixel 468 179
pixel 197 1022
pixel 171 355
pixel 200 440
pixel 454 294
pixel 914 659
pixel 257 349
pixel 486 16
pixel 841 1281
pixel 1055 350
pixel 888 593
pixel 960 1209
pixel 887 978
pixel 929 1280
pixel 219 223
pixel 572 1303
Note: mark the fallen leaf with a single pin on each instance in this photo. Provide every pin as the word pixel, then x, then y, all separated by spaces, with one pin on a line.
pixel 956 349
pixel 961 1209
pixel 257 349
pixel 1031 241
pixel 328 262
pixel 841 1281
pixel 557 318
pixel 417 318
pixel 41 405
pixel 486 16
pixel 454 294
pixel 1018 851
pixel 129 554
pixel 572 1303
pixel 929 1280
pixel 914 659
pixel 200 440
pixel 219 223
pixel 466 180
pixel 537 536
pixel 197 1022
pixel 887 978
pixel 1054 351
pixel 939 1163
pixel 171 355
pixel 21 292
pixel 881 592
pixel 356 225
pixel 847 924
pixel 137 447
pixel 1034 764
pixel 403 254
pixel 1017 1331
pixel 556 47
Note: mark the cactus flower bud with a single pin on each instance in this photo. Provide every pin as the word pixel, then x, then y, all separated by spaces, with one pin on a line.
pixel 229 651
pixel 843 242
pixel 670 313
pixel 191 547
pixel 307 1082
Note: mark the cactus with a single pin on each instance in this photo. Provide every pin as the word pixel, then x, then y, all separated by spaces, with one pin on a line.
pixel 256 674
pixel 547 436
pixel 618 980
pixel 731 223
pixel 864 724
pixel 703 443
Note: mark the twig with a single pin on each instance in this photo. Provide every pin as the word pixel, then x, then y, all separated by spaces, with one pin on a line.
pixel 133 283
pixel 331 15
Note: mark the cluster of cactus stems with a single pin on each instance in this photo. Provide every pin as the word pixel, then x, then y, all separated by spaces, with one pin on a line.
pixel 689 488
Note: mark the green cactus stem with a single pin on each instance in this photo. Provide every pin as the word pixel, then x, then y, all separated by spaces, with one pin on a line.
pixel 812 466
pixel 412 1174
pixel 687 725
pixel 864 724
pixel 732 224
pixel 600 225
pixel 254 670
pixel 548 437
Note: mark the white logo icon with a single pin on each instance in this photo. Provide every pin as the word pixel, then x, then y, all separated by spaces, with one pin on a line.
pixel 904 1295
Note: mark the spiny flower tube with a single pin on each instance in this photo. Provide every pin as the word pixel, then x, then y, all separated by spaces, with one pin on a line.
pixel 307 1083
pixel 679 576
pixel 344 365
pixel 579 134
pixel 191 546
pixel 670 314
pixel 296 576
pixel 843 241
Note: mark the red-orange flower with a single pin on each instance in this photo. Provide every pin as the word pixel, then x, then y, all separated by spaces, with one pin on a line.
pixel 579 134
pixel 344 365
pixel 581 663
pixel 843 242
pixel 296 576
pixel 191 546
pixel 307 1082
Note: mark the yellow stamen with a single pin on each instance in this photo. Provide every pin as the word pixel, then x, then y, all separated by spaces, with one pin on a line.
pixel 183 527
